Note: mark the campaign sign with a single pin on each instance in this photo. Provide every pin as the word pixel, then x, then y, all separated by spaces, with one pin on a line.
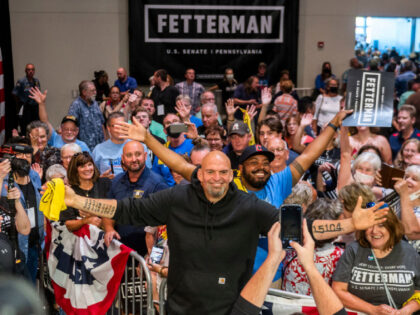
pixel 211 35
pixel 370 95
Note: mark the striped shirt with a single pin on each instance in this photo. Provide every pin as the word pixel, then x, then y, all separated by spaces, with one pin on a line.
pixel 285 105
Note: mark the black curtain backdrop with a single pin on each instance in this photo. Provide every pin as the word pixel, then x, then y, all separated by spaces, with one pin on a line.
pixel 6 49
pixel 147 55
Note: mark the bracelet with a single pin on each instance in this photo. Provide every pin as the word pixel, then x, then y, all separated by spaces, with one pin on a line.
pixel 333 126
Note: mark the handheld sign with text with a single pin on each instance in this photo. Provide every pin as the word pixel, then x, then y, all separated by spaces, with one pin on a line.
pixel 370 94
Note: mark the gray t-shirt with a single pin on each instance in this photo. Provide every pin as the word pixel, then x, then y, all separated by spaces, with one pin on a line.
pixel 400 269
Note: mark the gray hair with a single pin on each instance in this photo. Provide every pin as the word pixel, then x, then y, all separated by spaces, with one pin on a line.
pixel 204 93
pixel 37 124
pixel 212 106
pixel 55 169
pixel 71 146
pixel 413 169
pixel 301 195
pixel 373 159
pixel 184 98
pixel 84 85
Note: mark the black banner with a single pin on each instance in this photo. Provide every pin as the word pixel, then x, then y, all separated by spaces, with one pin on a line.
pixel 210 36
pixel 370 94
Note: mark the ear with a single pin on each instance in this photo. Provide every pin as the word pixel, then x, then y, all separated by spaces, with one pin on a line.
pixel 241 167
pixel 231 174
pixel 200 174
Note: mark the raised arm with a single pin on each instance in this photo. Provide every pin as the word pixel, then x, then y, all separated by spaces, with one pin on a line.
pixel 316 147
pixel 297 139
pixel 266 98
pixel 409 220
pixel 344 175
pixel 175 162
pixel 361 219
pixel 325 299
pixel 39 97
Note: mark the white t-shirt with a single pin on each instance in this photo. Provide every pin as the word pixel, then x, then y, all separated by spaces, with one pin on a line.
pixel 326 108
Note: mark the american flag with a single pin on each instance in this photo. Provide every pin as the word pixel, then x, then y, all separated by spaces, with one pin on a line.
pixel 2 103
pixel 85 274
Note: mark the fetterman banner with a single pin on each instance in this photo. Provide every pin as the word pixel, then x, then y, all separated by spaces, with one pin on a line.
pixel 210 36
pixel 371 95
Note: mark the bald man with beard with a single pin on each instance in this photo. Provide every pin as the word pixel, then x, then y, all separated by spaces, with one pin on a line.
pixel 213 228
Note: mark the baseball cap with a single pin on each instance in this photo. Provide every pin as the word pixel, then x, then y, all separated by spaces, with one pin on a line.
pixel 256 149
pixel 70 118
pixel 238 127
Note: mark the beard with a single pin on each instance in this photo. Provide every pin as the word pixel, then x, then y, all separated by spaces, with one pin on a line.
pixel 132 167
pixel 253 180
pixel 214 192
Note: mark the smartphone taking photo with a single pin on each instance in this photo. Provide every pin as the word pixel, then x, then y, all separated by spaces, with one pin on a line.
pixel 291 217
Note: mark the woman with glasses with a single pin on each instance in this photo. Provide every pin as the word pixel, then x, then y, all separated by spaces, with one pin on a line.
pixel 83 176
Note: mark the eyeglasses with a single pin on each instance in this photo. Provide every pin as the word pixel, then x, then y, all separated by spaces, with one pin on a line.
pixel 28 155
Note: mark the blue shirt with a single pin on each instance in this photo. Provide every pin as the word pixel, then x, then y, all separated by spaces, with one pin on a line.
pixel 396 141
pixel 196 121
pixel 21 90
pixel 401 82
pixel 149 182
pixel 109 152
pixel 57 141
pixel 91 121
pixel 129 85
pixel 163 170
pixel 278 187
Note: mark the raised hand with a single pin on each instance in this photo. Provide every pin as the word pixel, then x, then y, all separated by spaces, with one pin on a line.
pixel 275 246
pixel 192 132
pixel 339 117
pixel 252 111
pixel 135 131
pixel 230 107
pixel 37 168
pixel 182 110
pixel 266 96
pixel 36 94
pixel 13 193
pixel 365 218
pixel 306 120
pixel 401 186
pixel 326 167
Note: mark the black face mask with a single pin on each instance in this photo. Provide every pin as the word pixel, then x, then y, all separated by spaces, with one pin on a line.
pixel 174 134
pixel 333 89
pixel 21 167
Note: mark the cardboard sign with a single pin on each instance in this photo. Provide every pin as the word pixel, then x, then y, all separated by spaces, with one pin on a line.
pixel 370 94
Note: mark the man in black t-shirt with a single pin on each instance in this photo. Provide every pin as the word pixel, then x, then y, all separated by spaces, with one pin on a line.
pixel 164 95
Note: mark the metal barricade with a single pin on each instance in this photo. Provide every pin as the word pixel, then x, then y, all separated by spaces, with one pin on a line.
pixel 135 295
pixel 163 296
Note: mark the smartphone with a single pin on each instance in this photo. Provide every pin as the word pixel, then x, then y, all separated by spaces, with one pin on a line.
pixel 156 254
pixel 291 224
pixel 178 128
pixel 111 163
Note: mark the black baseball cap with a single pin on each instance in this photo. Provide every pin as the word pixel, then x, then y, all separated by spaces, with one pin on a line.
pixel 256 149
pixel 238 127
pixel 70 118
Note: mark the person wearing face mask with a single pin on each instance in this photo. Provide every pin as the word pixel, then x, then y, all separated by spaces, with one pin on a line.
pixel 363 170
pixel 327 105
pixel 228 85
pixel 177 142
pixel 87 112
pixel 321 79
pixel 29 184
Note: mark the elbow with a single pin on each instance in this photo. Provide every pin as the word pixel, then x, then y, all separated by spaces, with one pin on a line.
pixel 24 230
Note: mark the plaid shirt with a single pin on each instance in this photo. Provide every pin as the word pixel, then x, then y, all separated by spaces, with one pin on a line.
pixel 285 105
pixel 193 91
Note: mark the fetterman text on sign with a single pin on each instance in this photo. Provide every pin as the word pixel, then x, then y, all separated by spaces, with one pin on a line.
pixel 370 95
pixel 210 36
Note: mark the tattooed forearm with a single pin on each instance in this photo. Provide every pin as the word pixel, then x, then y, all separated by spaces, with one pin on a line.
pixel 325 228
pixel 99 207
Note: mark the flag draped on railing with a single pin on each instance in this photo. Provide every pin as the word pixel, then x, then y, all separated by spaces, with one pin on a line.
pixel 85 274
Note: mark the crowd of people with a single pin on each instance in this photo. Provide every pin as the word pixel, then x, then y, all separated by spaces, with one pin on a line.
pixel 167 169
